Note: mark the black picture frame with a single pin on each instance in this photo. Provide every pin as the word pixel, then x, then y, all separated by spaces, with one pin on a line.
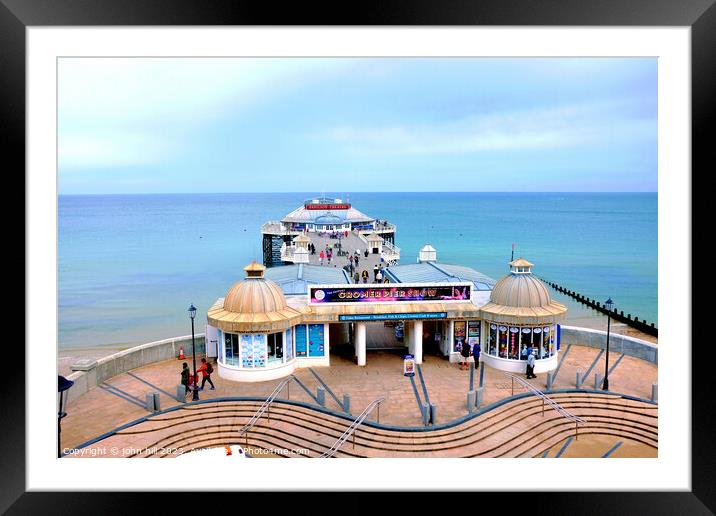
pixel 699 15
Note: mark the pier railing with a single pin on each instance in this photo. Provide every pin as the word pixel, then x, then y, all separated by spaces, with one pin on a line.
pixel 274 227
pixel 391 250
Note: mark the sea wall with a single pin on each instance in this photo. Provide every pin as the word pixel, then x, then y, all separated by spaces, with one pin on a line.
pixel 630 346
pixel 128 359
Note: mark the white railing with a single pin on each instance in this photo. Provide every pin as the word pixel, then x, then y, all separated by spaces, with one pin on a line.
pixel 287 252
pixel 546 400
pixel 274 227
pixel 385 228
pixel 363 239
pixel 391 249
pixel 264 407
pixel 352 428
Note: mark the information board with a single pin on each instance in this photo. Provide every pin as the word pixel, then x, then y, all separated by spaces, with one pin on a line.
pixel 315 340
pixel 247 351
pixel 301 340
pixel 259 351
pixel 409 365
pixel 392 317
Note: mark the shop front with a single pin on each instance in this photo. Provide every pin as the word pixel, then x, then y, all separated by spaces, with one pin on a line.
pixel 520 320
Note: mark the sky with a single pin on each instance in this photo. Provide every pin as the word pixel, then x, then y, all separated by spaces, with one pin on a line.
pixel 176 125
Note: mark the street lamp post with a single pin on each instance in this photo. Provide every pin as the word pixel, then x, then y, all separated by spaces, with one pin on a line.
pixel 63 387
pixel 195 390
pixel 609 304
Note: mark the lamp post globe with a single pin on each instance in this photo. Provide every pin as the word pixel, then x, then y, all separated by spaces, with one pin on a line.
pixel 195 390
pixel 609 305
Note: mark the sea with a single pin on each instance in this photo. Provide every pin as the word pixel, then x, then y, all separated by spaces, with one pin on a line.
pixel 130 265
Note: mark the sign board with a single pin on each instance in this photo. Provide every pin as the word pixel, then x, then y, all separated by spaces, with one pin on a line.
pixel 342 206
pixel 408 365
pixel 315 340
pixel 473 333
pixel 390 293
pixel 392 317
pixel 301 341
pixel 559 336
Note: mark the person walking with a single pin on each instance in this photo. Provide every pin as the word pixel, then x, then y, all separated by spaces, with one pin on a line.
pixel 350 259
pixel 465 354
pixel 320 258
pixel 375 272
pixel 379 277
pixel 364 275
pixel 476 355
pixel 356 261
pixel 185 378
pixel 530 363
pixel 206 369
pixel 356 277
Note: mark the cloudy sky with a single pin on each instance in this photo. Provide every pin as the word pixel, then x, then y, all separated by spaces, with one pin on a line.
pixel 349 125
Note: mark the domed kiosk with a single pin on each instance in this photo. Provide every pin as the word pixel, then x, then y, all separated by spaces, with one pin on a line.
pixel 521 314
pixel 255 329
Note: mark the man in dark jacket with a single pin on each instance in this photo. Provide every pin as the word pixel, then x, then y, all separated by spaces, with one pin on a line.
pixel 185 377
pixel 476 355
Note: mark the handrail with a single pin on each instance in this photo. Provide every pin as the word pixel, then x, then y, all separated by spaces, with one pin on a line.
pixel 352 428
pixel 556 406
pixel 391 247
pixel 265 406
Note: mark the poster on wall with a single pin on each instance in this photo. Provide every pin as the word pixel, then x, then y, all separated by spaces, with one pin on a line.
pixel 247 351
pixel 301 340
pixel 473 332
pixel 259 351
pixel 315 340
pixel 459 334
pixel 288 346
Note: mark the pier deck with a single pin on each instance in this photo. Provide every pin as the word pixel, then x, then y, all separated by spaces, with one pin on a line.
pixel 349 244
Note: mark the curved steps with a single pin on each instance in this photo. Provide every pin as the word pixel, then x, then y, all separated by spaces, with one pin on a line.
pixel 515 429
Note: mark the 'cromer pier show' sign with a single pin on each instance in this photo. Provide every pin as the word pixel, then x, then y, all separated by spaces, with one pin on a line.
pixel 393 293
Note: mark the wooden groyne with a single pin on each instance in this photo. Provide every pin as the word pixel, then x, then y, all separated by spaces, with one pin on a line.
pixel 617 315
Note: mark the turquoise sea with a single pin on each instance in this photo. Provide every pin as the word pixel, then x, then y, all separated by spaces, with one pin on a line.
pixel 130 265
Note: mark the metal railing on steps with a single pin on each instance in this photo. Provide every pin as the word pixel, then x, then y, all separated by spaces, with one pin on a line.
pixel 265 407
pixel 546 400
pixel 350 431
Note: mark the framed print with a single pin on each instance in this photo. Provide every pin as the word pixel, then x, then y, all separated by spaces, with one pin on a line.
pixel 252 165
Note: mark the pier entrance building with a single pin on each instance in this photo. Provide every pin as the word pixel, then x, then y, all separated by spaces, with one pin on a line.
pixel 279 319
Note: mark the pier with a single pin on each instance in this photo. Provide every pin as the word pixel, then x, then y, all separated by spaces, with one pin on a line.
pixel 329 223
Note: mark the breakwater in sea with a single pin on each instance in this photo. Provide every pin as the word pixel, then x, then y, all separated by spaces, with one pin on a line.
pixel 618 315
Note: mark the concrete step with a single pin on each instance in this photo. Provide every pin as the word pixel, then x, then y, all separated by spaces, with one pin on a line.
pixel 317 430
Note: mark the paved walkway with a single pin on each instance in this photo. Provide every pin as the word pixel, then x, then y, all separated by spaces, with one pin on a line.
pixel 120 400
pixel 349 244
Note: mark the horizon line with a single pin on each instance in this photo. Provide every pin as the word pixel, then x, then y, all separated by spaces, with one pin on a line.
pixel 380 192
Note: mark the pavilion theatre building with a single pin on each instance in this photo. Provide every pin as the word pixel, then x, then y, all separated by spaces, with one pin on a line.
pixel 279 319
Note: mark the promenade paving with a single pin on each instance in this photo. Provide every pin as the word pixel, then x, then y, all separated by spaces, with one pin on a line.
pixel 121 399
